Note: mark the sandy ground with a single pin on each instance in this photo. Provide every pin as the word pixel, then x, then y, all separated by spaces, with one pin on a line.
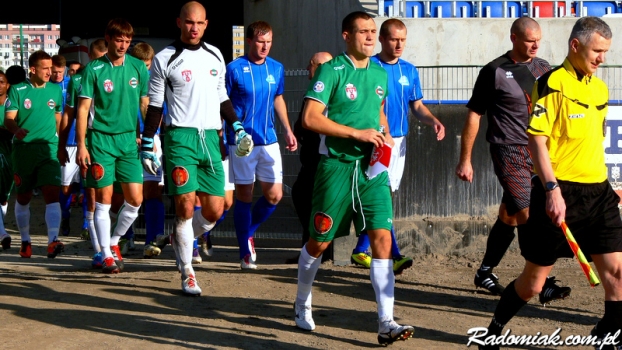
pixel 64 304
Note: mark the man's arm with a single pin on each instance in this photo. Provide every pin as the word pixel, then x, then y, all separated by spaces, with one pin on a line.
pixel 426 117
pixel 314 120
pixel 11 125
pixel 281 111
pixel 464 170
pixel 385 123
pixel 83 159
pixel 555 204
pixel 63 134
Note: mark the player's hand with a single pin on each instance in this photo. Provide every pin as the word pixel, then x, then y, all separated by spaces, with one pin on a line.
pixel 292 143
pixel 62 155
pixel 21 133
pixel 439 129
pixel 556 206
pixel 464 171
pixel 243 141
pixel 369 135
pixel 83 159
pixel 388 139
pixel 148 157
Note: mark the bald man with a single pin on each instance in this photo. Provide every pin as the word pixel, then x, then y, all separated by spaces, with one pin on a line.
pixel 309 143
pixel 190 75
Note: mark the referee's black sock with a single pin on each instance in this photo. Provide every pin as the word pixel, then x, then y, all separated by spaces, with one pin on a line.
pixel 508 306
pixel 612 319
pixel 499 239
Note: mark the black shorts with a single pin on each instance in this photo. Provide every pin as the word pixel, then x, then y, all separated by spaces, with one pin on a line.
pixel 513 167
pixel 592 215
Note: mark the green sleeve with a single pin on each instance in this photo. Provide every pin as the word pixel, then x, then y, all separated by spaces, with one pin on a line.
pixel 12 101
pixel 88 82
pixel 144 82
pixel 323 84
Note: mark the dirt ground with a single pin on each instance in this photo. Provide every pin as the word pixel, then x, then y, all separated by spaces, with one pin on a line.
pixel 63 304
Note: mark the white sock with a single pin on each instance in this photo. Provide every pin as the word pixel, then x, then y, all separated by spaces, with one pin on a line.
pixel 4 207
pixel 383 281
pixel 200 225
pixel 52 220
pixel 307 269
pixel 184 238
pixel 92 232
pixel 102 228
pixel 2 229
pixel 22 218
pixel 125 218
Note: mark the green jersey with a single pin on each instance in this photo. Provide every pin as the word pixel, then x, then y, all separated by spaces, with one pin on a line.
pixel 116 91
pixel 36 110
pixel 73 90
pixel 2 115
pixel 354 98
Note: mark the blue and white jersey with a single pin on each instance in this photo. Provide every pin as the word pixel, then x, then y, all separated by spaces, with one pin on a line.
pixel 252 89
pixel 405 87
pixel 71 139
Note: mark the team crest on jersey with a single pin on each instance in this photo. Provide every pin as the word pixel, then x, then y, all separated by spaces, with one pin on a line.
pixel 17 180
pixel 97 171
pixel 180 176
pixel 380 91
pixel 322 223
pixel 27 103
pixel 318 86
pixel 213 72
pixel 538 110
pixel 351 91
pixel 187 75
pixel 270 79
pixel 246 69
pixel 108 85
pixel 134 82
pixel 7 103
pixel 51 104
pixel 403 80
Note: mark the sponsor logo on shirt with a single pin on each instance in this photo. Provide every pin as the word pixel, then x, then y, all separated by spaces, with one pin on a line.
pixel 351 91
pixel 576 116
pixel 318 86
pixel 186 75
pixel 403 80
pixel 134 82
pixel 51 104
pixel 108 85
pixel 98 67
pixel 340 67
pixel 177 64
pixel 509 75
pixel 322 223
pixel 213 72
pixel 538 110
pixel 27 103
pixel 380 91
pixel 21 88
pixel 270 79
pixel 246 69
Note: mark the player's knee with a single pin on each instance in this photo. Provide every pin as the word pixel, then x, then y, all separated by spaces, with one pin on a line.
pixel 274 199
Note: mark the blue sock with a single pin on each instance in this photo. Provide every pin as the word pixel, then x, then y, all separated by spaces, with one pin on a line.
pixel 129 233
pixel 85 223
pixel 197 207
pixel 221 219
pixel 242 221
pixel 195 244
pixel 261 212
pixel 362 245
pixel 65 205
pixel 395 250
pixel 154 219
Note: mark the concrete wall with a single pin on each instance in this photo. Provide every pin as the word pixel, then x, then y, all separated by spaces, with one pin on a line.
pixel 303 27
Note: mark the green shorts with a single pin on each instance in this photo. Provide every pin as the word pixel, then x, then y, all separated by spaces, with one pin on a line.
pixel 35 165
pixel 193 161
pixel 343 194
pixel 6 170
pixel 113 157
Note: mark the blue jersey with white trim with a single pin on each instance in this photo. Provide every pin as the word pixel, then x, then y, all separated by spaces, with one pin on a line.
pixel 405 87
pixel 252 89
pixel 71 139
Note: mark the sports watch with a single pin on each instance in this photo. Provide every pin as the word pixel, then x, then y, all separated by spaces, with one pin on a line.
pixel 550 186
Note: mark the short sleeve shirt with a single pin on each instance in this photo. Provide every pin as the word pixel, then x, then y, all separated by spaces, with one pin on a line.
pixel 71 100
pixel 116 92
pixel 405 87
pixel 252 89
pixel 354 97
pixel 503 92
pixel 36 110
pixel 571 111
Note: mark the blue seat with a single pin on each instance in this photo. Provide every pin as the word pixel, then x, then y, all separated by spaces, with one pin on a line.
pixel 446 7
pixel 596 8
pixel 496 9
pixel 410 9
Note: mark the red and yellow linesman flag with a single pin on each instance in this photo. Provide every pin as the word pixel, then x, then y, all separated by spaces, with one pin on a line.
pixel 585 265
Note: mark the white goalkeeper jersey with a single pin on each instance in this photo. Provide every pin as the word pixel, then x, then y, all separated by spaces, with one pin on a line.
pixel 191 78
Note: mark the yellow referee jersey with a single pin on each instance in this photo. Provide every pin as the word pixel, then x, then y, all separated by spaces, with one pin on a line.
pixel 571 111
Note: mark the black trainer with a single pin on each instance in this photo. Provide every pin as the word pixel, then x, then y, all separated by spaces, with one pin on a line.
pixel 489 281
pixel 551 291
pixel 64 226
pixel 599 338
